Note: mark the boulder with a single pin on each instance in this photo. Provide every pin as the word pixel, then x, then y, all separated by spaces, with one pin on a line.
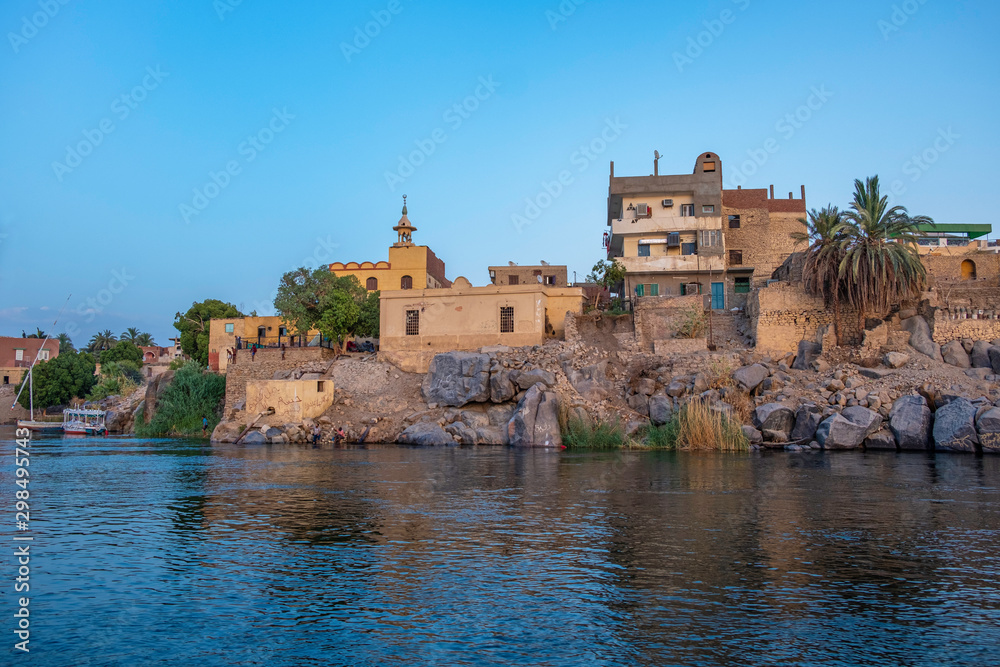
pixel 807 353
pixel 661 409
pixel 753 435
pixel 536 420
pixel 838 432
pixel 807 420
pixel 981 355
pixel 955 427
pixel 954 353
pixel 910 422
pixel 154 390
pixel 676 389
pixel 700 384
pixel 526 379
pixel 774 417
pixel 895 359
pixel 869 419
pixel 426 434
pixel 639 403
pixel 501 387
pixel 750 377
pixel 227 432
pixel 466 435
pixel 882 439
pixel 988 427
pixel 979 373
pixel 920 337
pixel 254 438
pixel 491 435
pixel 272 432
pixel 590 381
pixel 458 378
pixel 994 354
pixel 646 387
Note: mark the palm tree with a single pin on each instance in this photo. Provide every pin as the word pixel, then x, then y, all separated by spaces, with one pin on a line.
pixel 38 334
pixel 130 334
pixel 144 340
pixel 825 234
pixel 103 340
pixel 65 343
pixel 881 265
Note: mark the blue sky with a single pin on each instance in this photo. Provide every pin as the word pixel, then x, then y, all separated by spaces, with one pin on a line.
pixel 158 153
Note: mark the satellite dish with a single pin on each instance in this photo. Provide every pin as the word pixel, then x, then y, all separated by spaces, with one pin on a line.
pixel 656 154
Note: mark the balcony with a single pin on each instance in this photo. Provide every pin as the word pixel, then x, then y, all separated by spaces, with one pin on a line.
pixel 672 264
pixel 664 224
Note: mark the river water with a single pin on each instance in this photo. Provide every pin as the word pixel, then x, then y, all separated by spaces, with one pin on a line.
pixel 167 552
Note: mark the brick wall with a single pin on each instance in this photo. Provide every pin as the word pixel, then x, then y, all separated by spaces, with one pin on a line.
pixel 946 265
pixel 658 318
pixel 783 314
pixel 263 367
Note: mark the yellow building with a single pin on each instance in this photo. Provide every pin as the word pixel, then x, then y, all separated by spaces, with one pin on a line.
pixel 270 331
pixel 410 266
pixel 417 324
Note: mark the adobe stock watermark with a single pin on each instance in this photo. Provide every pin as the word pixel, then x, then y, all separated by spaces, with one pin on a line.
pixel 788 125
pixel 223 7
pixel 920 163
pixel 706 38
pixel 94 305
pixel 562 13
pixel 454 116
pixel 900 16
pixel 30 25
pixel 363 35
pixel 249 149
pixel 122 107
pixel 581 158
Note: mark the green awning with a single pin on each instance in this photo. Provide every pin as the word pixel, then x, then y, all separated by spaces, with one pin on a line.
pixel 973 231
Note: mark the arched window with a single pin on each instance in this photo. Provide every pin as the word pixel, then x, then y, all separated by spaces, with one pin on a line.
pixel 371 284
pixel 406 283
pixel 968 270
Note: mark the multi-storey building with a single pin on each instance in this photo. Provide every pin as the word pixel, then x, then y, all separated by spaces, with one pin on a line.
pixel 17 354
pixel 542 274
pixel 684 234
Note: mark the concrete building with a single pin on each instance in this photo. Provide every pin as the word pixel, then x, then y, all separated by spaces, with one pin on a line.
pixel 417 324
pixel 541 274
pixel 410 266
pixel 683 234
pixel 269 331
pixel 156 359
pixel 16 355
pixel 291 400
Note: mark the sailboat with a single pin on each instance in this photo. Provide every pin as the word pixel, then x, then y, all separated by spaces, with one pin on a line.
pixel 31 424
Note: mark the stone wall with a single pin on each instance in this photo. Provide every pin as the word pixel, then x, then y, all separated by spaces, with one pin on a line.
pixel 946 265
pixel 658 318
pixel 958 323
pixel 783 314
pixel 263 367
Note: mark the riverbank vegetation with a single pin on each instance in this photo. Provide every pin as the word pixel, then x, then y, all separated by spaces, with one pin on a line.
pixel 117 378
pixel 70 375
pixel 193 394
pixel 695 427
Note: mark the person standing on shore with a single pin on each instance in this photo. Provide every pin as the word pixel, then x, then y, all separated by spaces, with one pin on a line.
pixel 204 425
pixel 253 352
pixel 282 351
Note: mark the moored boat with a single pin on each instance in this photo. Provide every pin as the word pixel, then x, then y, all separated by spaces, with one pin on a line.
pixel 84 422
pixel 40 426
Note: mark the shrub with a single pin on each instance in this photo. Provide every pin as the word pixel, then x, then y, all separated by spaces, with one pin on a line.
pixel 697 427
pixel 603 435
pixel 191 395
pixel 691 322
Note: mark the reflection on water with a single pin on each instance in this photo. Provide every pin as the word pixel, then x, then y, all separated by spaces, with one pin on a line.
pixel 170 552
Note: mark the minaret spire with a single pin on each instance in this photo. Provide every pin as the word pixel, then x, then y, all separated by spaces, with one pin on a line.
pixel 404 228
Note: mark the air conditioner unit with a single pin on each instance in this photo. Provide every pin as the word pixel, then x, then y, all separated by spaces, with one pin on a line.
pixel 668 203
pixel 642 211
pixel 673 240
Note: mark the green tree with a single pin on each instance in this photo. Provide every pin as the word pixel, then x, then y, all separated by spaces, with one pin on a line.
pixel 608 274
pixel 370 318
pixel 825 234
pixel 144 340
pixel 130 334
pixel 194 326
pixel 881 265
pixel 190 396
pixel 70 375
pixel 104 340
pixel 65 343
pixel 123 351
pixel 318 299
pixel 38 334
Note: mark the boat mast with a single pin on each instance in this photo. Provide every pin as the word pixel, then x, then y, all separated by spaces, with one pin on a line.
pixel 31 394
pixel 38 354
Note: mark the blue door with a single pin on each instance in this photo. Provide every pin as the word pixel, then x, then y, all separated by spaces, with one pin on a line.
pixel 718 296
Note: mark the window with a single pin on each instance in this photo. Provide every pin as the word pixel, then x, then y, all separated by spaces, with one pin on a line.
pixel 643 250
pixel 18 355
pixel 282 331
pixel 371 284
pixel 6 379
pixel 709 238
pixel 229 327
pixel 320 386
pixel 43 355
pixel 687 210
pixel 550 280
pixel 735 258
pixel 708 166
pixel 734 222
pixel 413 323
pixel 406 282
pixel 689 248
pixel 506 319
pixel 708 209
pixel 512 280
pixel 742 286
pixel 261 332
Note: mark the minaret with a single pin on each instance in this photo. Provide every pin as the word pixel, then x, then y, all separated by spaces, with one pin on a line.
pixel 405 230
